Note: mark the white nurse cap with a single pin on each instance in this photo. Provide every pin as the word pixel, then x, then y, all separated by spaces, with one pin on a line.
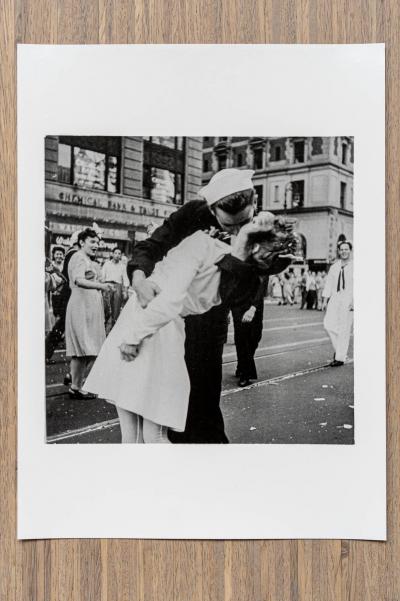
pixel 226 182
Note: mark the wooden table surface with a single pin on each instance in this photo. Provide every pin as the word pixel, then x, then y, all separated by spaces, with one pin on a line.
pixel 114 570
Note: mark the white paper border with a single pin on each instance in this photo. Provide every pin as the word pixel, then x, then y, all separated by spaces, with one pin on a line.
pixel 226 491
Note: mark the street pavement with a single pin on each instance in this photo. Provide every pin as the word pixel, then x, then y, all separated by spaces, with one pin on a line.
pixel 297 399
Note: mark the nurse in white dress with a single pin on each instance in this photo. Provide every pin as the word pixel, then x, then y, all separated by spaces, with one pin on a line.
pixel 151 392
pixel 338 301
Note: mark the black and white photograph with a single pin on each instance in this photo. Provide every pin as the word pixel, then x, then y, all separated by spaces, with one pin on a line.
pixel 182 286
pixel 199 290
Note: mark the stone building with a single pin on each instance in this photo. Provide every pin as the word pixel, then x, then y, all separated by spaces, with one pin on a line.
pixel 309 178
pixel 123 184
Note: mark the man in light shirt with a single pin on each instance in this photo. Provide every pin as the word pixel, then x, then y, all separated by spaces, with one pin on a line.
pixel 338 302
pixel 114 272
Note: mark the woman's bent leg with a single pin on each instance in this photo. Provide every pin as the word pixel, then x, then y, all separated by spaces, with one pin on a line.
pixel 131 426
pixel 155 433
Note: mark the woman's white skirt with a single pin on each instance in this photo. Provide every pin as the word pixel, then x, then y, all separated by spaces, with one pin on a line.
pixel 156 384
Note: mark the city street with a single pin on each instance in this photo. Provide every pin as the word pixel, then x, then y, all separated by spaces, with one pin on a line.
pixel 297 399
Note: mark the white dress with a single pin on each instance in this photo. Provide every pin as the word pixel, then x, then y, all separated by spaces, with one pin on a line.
pixel 339 318
pixel 156 384
pixel 84 320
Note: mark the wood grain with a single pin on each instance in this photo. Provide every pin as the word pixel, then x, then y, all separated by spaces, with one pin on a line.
pixel 114 570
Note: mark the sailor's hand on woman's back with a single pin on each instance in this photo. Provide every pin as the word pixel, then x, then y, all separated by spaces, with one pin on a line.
pixel 145 289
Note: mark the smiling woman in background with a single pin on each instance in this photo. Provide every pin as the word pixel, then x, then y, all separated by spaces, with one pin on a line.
pixel 84 323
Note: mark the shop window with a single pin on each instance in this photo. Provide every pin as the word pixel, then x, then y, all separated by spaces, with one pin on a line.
pixel 298 194
pixel 90 162
pixel 299 152
pixel 163 169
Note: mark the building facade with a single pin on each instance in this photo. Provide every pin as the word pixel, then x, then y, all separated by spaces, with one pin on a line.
pixel 123 184
pixel 308 178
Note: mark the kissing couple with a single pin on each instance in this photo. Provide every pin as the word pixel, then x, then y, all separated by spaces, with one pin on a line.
pixel 143 366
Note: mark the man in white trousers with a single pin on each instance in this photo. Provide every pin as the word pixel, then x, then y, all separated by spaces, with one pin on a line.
pixel 338 302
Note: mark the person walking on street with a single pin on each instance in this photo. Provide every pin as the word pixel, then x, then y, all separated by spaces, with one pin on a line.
pixel 248 328
pixel 311 290
pixel 287 289
pixel 114 272
pixel 303 288
pixel 338 302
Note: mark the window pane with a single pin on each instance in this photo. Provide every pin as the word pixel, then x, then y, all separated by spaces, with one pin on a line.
pixel 342 195
pixel 178 189
pixel 146 181
pixel 64 163
pixel 259 192
pixel 162 185
pixel 168 141
pixel 112 176
pixel 299 152
pixel 298 193
pixel 258 158
pixel 221 163
pixel 89 169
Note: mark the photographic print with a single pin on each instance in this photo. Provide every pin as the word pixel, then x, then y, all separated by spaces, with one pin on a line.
pixel 186 243
pixel 143 240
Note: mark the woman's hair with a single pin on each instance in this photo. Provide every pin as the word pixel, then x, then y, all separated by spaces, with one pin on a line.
pixel 85 234
pixel 349 244
pixel 261 236
pixel 57 249
pixel 236 202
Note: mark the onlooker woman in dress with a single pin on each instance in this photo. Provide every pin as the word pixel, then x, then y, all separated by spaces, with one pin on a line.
pixel 84 324
pixel 287 289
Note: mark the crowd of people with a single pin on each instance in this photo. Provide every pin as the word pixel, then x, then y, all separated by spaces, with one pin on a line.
pixel 156 354
pixel 303 288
